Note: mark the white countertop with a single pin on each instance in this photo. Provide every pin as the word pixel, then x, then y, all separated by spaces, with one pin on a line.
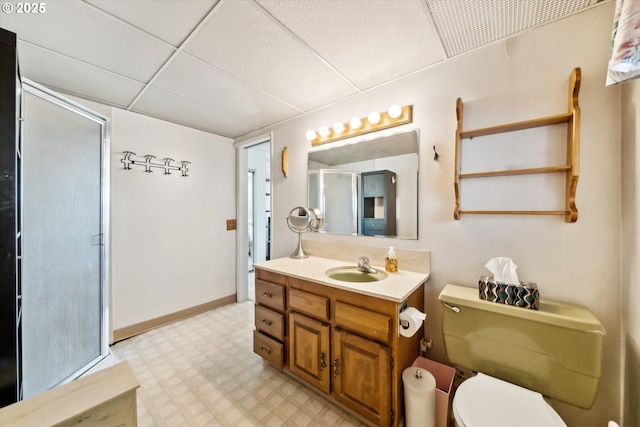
pixel 396 287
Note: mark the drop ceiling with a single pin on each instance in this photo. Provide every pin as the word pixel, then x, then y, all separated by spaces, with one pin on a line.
pixel 231 67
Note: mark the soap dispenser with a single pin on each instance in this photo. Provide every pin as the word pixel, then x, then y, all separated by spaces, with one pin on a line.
pixel 391 261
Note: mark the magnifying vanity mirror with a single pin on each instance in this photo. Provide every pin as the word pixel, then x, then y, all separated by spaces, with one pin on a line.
pixel 300 220
pixel 369 187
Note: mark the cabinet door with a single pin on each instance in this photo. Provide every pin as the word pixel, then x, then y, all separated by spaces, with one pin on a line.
pixel 373 185
pixel 362 376
pixel 309 351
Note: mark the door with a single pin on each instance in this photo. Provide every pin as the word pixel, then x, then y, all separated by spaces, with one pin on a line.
pixel 362 376
pixel 64 209
pixel 309 351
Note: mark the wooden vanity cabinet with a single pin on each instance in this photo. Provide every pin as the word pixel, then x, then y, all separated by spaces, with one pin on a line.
pixel 343 343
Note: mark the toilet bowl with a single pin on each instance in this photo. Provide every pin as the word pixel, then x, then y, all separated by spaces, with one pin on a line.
pixel 485 401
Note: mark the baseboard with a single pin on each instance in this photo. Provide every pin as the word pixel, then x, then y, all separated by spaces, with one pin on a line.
pixel 147 325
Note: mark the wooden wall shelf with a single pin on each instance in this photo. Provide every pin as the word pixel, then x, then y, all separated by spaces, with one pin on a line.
pixel 571 169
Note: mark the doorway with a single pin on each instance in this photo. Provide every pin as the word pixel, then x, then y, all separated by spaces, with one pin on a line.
pixel 254 212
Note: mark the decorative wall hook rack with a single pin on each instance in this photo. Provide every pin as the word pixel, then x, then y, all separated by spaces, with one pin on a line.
pixel 167 163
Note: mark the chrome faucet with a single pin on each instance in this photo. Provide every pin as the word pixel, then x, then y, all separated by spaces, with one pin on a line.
pixel 363 265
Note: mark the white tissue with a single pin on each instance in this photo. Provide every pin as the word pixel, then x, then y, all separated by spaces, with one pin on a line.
pixel 503 269
pixel 411 320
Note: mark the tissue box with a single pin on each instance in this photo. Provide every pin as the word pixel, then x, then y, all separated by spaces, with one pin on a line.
pixel 523 295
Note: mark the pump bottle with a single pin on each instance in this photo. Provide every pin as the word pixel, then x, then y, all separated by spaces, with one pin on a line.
pixel 391 261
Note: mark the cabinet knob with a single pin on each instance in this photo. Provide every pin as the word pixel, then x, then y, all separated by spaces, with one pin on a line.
pixel 267 322
pixel 265 349
pixel 336 370
pixel 268 294
pixel 323 362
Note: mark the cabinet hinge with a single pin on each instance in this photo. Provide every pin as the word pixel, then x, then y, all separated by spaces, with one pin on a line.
pixel 393 417
pixel 391 363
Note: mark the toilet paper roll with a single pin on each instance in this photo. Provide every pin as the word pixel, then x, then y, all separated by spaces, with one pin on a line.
pixel 419 397
pixel 410 321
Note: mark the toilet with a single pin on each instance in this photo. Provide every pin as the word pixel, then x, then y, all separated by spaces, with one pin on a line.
pixel 521 357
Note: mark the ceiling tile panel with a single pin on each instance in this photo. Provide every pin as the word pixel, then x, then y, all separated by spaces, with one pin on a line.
pixel 80 31
pixel 243 40
pixel 198 81
pixel 163 105
pixel 68 75
pixel 235 66
pixel 370 42
pixel 465 25
pixel 169 20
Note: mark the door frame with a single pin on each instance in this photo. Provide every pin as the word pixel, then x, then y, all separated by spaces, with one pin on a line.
pixel 242 233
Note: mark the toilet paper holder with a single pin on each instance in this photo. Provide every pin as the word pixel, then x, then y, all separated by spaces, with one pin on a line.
pixel 410 319
pixel 404 323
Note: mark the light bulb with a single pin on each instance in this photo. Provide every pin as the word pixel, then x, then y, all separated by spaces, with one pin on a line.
pixel 355 122
pixel 374 117
pixel 323 131
pixel 338 127
pixel 311 135
pixel 395 111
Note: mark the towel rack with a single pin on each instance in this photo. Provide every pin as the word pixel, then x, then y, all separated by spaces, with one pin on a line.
pixel 167 163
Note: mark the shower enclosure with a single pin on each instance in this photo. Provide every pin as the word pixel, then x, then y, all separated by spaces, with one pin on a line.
pixel 53 235
pixel 64 328
pixel 335 193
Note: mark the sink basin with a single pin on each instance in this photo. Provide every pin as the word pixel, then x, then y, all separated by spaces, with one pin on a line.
pixel 352 274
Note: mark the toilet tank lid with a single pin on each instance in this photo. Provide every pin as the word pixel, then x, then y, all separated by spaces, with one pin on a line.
pixel 555 313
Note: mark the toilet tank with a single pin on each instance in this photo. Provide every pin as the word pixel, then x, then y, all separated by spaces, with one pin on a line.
pixel 555 350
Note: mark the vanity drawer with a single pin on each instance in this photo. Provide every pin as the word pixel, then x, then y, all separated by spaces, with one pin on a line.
pixel 373 225
pixel 307 303
pixel 269 322
pixel 270 294
pixel 270 276
pixel 268 348
pixel 364 322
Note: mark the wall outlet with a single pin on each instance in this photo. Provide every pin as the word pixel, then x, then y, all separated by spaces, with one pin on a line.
pixel 231 224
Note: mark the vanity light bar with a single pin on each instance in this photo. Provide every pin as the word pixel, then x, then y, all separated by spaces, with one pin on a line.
pixel 395 116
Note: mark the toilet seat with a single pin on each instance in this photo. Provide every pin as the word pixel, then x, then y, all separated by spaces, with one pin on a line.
pixel 485 401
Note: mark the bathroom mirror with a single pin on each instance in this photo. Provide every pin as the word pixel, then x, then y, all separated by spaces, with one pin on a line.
pixel 335 177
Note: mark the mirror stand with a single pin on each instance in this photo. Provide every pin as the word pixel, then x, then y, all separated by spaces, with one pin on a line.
pixel 299 253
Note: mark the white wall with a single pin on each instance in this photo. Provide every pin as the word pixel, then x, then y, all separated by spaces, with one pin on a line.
pixel 520 78
pixel 169 246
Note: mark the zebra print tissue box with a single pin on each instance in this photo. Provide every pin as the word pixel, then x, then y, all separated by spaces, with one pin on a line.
pixel 523 295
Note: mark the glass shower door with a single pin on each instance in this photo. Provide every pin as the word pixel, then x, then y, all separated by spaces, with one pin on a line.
pixel 339 195
pixel 63 263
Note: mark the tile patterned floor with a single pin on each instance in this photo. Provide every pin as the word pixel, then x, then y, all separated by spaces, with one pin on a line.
pixel 202 372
